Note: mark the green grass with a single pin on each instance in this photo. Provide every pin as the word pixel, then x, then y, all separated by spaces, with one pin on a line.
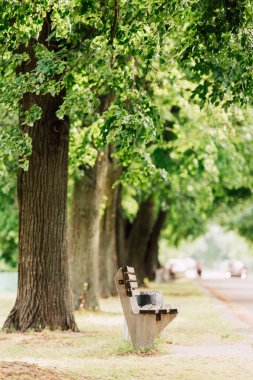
pixel 99 351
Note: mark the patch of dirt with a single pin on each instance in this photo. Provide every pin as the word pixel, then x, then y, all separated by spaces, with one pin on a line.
pixel 25 371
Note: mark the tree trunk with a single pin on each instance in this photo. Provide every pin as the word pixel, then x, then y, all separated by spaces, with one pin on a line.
pixel 151 256
pixel 85 226
pixel 108 264
pixel 121 236
pixel 43 293
pixel 139 237
pixel 84 237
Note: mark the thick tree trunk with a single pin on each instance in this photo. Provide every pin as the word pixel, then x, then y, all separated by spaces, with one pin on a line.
pixel 139 237
pixel 151 255
pixel 43 297
pixel 84 236
pixel 108 263
pixel 43 293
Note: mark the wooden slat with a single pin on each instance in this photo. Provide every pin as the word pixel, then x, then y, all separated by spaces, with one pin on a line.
pixel 129 277
pixel 150 311
pixel 167 311
pixel 173 311
pixel 128 269
pixel 162 311
pixel 131 285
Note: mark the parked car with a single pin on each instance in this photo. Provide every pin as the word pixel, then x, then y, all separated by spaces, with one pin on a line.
pixel 236 268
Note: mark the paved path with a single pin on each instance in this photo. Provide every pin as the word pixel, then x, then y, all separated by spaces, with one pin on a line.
pixel 236 293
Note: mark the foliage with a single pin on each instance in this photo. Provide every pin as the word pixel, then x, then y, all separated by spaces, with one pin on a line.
pixel 216 40
pixel 214 249
pixel 205 153
pixel 151 58
pixel 100 47
pixel 239 218
pixel 15 149
pixel 208 172
pixel 9 227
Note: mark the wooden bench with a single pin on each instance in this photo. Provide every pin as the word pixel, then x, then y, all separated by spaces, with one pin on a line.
pixel 146 315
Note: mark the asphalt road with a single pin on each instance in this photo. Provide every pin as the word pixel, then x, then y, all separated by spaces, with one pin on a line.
pixel 236 293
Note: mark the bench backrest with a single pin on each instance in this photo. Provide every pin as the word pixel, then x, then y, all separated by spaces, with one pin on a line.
pixel 130 280
pixel 127 287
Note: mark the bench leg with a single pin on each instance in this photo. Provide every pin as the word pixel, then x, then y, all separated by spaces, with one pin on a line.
pixel 142 330
pixel 126 331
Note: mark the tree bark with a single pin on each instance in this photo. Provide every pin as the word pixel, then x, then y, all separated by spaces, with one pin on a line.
pixel 121 235
pixel 151 255
pixel 108 263
pixel 84 236
pixel 139 237
pixel 85 227
pixel 43 293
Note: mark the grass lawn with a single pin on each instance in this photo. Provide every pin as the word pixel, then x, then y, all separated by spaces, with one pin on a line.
pixel 198 344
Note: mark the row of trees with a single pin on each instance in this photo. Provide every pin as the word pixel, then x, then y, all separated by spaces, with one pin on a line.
pixel 129 78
